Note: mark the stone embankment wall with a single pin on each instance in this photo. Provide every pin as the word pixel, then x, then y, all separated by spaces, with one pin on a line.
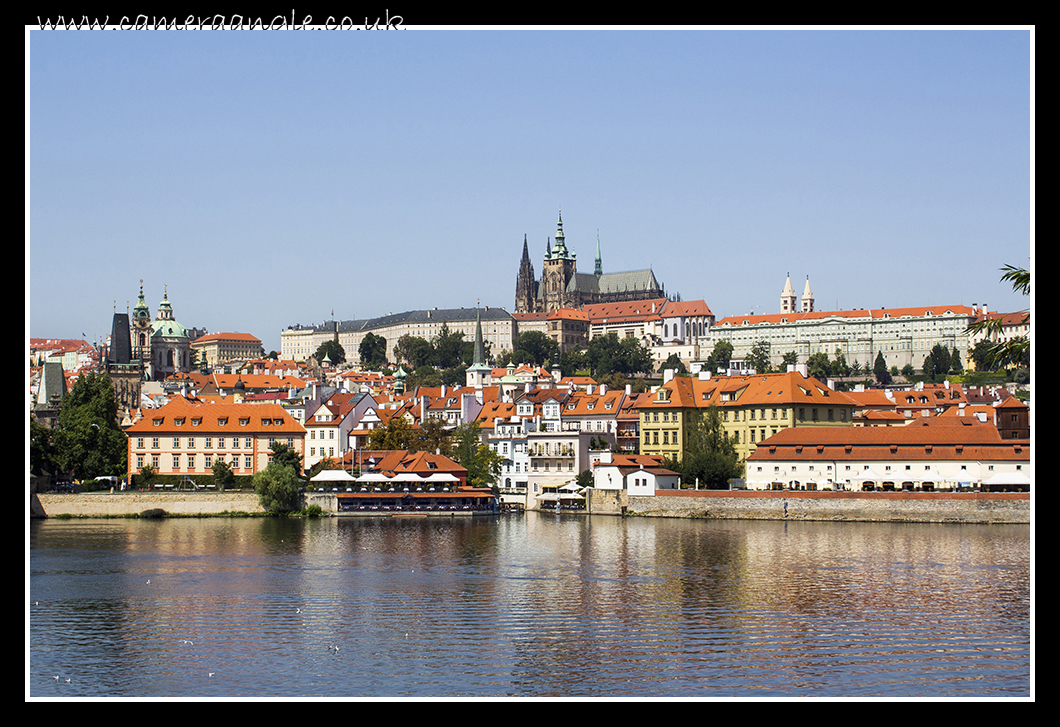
pixel 103 504
pixel 965 507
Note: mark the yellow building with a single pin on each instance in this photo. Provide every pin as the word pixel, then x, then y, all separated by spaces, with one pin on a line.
pixel 186 437
pixel 217 348
pixel 752 408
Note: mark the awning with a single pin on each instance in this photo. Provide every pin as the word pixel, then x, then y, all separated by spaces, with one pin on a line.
pixel 332 476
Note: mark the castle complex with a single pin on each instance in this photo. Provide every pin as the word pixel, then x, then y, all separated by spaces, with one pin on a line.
pixel 562 286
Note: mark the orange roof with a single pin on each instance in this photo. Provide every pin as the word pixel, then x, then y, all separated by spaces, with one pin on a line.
pixel 246 337
pixel 875 313
pixel 686 308
pixel 182 416
pixel 625 310
pixel 755 390
pixel 569 314
pixel 931 438
pixel 582 404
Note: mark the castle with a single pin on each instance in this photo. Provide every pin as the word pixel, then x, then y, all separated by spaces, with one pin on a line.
pixel 562 286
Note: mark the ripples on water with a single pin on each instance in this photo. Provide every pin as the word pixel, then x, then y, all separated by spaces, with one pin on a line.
pixel 534 605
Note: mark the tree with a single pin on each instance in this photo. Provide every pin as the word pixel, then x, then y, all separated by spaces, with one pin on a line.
pixel 879 370
pixel 937 362
pixel 534 347
pixel 147 476
pixel 448 348
pixel 222 474
pixel 610 354
pixel 332 350
pixel 277 487
pixel 758 357
pixel 818 366
pixel 89 442
pixel 673 361
pixel 372 351
pixel 286 457
pixel 41 449
pixel 840 368
pixel 414 351
pixel 1001 354
pixel 791 358
pixel 709 455
pixel 719 358
pixel 482 463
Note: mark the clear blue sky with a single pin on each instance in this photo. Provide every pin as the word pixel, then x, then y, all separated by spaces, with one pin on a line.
pixel 270 178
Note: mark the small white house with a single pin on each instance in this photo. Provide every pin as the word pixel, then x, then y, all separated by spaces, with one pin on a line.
pixel 637 474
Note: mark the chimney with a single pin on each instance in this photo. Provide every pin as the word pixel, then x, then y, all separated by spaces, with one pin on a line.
pixel 668 375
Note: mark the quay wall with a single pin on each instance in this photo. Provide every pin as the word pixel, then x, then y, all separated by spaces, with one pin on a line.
pixel 104 504
pixel 970 507
pixel 925 507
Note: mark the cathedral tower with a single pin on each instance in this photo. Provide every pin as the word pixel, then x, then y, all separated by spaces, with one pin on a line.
pixel 525 284
pixel 559 268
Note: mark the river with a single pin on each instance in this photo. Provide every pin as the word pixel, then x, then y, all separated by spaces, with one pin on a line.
pixel 535 605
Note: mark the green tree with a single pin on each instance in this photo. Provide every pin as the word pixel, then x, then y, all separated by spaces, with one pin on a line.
pixel 818 366
pixel 758 357
pixel 222 474
pixel 791 358
pixel 879 370
pixel 414 351
pixel 840 368
pixel 277 488
pixel 937 362
pixel 41 448
pixel 89 443
pixel 572 361
pixel 709 455
pixel 673 361
pixel 331 349
pixel 372 351
pixel 448 348
pixel 147 476
pixel 719 358
pixel 610 354
pixel 534 347
pixel 286 457
pixel 482 463
pixel 1001 354
pixel 956 361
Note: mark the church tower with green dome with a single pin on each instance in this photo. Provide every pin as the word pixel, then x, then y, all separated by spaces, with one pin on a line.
pixel 170 343
pixel 140 329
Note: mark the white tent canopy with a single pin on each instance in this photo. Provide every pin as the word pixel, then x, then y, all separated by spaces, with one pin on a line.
pixel 1008 478
pixel 333 476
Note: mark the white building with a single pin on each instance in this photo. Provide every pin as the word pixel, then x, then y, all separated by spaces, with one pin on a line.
pixel 635 473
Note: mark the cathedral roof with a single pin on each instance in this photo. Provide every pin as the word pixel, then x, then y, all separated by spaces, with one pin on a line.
pixel 605 283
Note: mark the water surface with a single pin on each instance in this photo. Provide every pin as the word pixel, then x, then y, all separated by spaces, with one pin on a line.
pixel 534 605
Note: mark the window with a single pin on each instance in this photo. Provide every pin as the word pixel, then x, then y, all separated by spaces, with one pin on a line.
pixel 176 442
pixel 248 463
pixel 176 462
pixel 154 442
pixel 248 443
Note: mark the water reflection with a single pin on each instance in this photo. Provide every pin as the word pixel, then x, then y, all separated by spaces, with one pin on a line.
pixel 527 605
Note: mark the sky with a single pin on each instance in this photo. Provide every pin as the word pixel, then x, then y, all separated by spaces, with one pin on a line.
pixel 263 179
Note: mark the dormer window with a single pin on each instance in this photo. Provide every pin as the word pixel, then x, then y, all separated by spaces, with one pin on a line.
pixel 222 421
pixel 196 422
pixel 179 422
pixel 243 421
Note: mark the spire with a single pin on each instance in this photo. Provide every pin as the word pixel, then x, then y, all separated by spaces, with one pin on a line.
pixel 480 352
pixel 807 297
pixel 599 261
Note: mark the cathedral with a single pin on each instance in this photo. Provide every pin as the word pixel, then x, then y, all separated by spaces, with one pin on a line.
pixel 562 286
pixel 163 346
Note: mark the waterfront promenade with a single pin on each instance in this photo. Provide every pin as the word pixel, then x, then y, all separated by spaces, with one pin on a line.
pixel 958 507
